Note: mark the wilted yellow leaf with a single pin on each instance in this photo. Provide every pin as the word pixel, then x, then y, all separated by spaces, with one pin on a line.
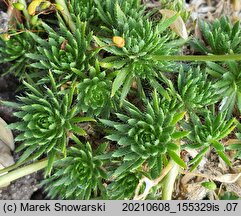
pixel 178 26
pixel 6 159
pixel 33 6
pixel 6 134
pixel 236 5
pixel 227 178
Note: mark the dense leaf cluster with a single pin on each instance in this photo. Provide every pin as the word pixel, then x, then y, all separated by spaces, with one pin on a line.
pixel 15 51
pixel 93 75
pixel 219 37
pixel 77 175
pixel 66 53
pixel 48 117
pixel 228 84
pixel 145 136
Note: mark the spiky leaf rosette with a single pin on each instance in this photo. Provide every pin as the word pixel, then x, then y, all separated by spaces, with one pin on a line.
pixel 195 89
pixel 109 11
pixel 235 145
pixel 228 84
pixel 145 136
pixel 94 93
pixel 84 10
pixel 14 50
pixel 48 117
pixel 77 175
pixel 123 188
pixel 220 37
pixel 140 40
pixel 66 53
pixel 207 131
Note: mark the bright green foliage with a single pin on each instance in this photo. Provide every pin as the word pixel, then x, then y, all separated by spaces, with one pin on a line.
pixel 228 84
pixel 94 93
pixel 230 196
pixel 77 175
pixel 65 53
pixel 83 10
pixel 144 136
pixel 237 146
pixel 115 60
pixel 124 187
pixel 110 11
pixel 195 89
pixel 14 50
pixel 220 37
pixel 208 131
pixel 47 116
pixel 209 185
pixel 142 40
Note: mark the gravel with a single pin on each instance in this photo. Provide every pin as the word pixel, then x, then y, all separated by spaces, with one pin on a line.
pixel 22 189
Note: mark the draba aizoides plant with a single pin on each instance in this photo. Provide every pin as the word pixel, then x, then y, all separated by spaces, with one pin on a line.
pixel 94 93
pixel 48 117
pixel 65 52
pixel 109 11
pixel 133 58
pixel 207 131
pixel 77 175
pixel 114 105
pixel 145 136
pixel 124 187
pixel 14 49
pixel 194 89
pixel 219 37
pixel 83 10
pixel 228 84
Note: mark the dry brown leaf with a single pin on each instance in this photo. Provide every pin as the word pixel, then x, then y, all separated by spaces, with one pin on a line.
pixel 223 166
pixel 6 134
pixel 196 191
pixel 235 188
pixel 178 26
pixel 232 141
pixel 236 5
pixel 6 159
pixel 227 178
pixel 6 145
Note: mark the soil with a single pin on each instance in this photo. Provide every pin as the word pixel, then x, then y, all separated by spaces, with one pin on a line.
pixel 22 189
pixel 28 186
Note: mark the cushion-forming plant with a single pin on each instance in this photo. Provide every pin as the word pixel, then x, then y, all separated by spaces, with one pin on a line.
pixel 228 84
pixel 65 52
pixel 94 93
pixel 219 37
pixel 207 131
pixel 77 175
pixel 111 100
pixel 144 136
pixel 132 58
pixel 14 50
pixel 48 117
pixel 194 89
